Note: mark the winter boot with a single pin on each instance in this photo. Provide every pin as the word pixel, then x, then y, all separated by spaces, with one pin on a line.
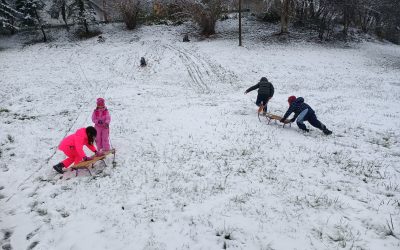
pixel 59 167
pixel 143 62
pixel 265 110
pixel 326 131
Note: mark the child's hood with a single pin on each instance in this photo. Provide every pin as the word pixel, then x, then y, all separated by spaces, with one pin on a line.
pixel 299 100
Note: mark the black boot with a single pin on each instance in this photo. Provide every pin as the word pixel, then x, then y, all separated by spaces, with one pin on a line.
pixel 59 167
pixel 326 131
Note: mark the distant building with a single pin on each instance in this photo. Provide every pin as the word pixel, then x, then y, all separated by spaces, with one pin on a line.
pixel 103 10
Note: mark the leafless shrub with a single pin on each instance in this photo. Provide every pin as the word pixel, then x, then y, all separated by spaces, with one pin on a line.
pixel 205 13
pixel 369 169
pixel 389 229
pixel 129 10
pixel 342 235
pixel 319 201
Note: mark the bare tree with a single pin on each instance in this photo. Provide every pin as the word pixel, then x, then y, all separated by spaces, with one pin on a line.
pixel 31 14
pixel 129 10
pixel 105 10
pixel 389 19
pixel 203 12
pixel 60 7
pixel 285 16
pixel 82 12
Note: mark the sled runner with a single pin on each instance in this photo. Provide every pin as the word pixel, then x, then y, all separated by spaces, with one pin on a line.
pixel 271 117
pixel 86 164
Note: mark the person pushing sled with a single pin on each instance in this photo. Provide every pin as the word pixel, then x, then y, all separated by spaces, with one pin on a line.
pixel 265 92
pixel 72 146
pixel 303 112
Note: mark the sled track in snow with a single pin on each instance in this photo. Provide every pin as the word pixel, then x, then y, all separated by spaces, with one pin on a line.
pixel 224 75
pixel 196 68
pixel 203 71
pixel 153 55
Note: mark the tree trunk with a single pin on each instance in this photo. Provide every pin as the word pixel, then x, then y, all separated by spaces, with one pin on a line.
pixel 41 26
pixel 86 26
pixel 240 22
pixel 12 29
pixel 379 26
pixel 44 34
pixel 82 15
pixel 64 15
pixel 285 16
pixel 209 28
pixel 311 8
pixel 346 21
pixel 105 11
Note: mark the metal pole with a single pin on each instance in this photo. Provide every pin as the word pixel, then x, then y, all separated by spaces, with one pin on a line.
pixel 240 22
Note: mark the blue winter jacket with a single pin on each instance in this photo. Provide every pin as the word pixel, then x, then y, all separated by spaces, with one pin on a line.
pixel 297 107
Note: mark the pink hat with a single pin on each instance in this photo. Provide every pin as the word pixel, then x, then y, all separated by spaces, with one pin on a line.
pixel 100 102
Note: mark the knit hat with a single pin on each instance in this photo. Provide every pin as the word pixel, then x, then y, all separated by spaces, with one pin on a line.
pixel 100 102
pixel 291 99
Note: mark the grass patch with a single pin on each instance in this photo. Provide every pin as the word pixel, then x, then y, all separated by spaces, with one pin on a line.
pixel 389 228
pixel 10 138
pixel 4 110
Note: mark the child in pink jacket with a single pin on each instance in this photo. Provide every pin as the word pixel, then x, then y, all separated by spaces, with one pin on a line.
pixel 72 146
pixel 101 118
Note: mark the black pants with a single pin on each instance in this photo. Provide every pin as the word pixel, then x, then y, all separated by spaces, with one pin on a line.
pixel 264 99
pixel 312 119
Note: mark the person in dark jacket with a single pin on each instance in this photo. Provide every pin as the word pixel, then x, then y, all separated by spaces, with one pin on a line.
pixel 303 112
pixel 265 92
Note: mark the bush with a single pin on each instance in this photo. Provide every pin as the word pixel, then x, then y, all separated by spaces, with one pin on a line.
pixel 129 10
pixel 205 13
pixel 272 17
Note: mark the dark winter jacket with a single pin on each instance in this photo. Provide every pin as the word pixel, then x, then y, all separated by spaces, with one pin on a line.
pixel 264 87
pixel 297 107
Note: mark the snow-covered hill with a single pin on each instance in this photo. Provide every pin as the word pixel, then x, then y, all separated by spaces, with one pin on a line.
pixel 195 168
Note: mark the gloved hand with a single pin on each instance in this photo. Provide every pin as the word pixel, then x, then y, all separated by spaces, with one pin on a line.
pixel 100 122
pixel 282 120
pixel 87 158
pixel 293 119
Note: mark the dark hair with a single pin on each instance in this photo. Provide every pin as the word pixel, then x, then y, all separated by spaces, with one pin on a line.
pixel 91 134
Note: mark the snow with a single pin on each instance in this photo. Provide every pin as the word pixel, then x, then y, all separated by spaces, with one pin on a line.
pixel 195 168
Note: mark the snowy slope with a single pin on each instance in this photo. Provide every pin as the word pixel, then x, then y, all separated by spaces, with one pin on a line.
pixel 195 168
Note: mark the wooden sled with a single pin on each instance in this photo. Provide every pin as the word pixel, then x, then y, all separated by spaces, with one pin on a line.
pixel 271 117
pixel 87 164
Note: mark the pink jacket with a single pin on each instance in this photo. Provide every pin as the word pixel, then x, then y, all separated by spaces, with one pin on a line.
pixel 77 141
pixel 101 117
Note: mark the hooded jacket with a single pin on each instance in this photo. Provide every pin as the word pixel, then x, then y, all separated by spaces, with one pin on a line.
pixel 101 115
pixel 77 141
pixel 297 107
pixel 264 87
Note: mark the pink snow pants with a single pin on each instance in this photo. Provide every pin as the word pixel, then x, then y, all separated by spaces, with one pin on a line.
pixel 102 138
pixel 72 156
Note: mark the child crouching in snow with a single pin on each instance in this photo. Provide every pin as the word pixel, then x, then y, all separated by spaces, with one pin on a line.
pixel 303 112
pixel 101 118
pixel 72 146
